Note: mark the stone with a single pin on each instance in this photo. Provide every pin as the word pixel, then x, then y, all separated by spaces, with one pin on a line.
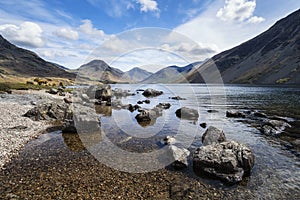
pixel 68 100
pixel 169 140
pixel 228 161
pixel 274 127
pixel 47 111
pixel 147 101
pixel 213 135
pixel 140 102
pixel 152 93
pixel 203 125
pixel 52 91
pixel 179 155
pixel 177 98
pixel 235 114
pixel 164 105
pixel 187 113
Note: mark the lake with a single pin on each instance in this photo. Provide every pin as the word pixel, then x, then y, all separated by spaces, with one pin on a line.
pixel 56 157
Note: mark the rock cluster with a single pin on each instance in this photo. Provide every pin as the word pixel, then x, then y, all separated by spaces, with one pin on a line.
pixel 228 161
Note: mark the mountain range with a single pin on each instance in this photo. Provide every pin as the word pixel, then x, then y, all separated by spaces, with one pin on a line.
pixel 271 57
pixel 171 74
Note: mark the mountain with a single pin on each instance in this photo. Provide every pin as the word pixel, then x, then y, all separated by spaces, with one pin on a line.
pixel 136 75
pixel 171 74
pixel 98 70
pixel 24 63
pixel 271 57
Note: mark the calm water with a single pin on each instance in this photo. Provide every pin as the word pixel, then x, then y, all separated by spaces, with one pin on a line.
pixel 277 167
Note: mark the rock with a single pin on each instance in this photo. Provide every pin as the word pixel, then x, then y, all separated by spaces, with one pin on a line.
pixel 52 91
pixel 228 161
pixel 33 103
pixel 213 135
pixel 296 143
pixel 259 114
pixel 147 101
pixel 179 155
pixel 68 100
pixel 177 98
pixel 85 97
pixel 148 115
pixel 164 105
pixel 102 92
pixel 47 111
pixel 9 91
pixel 140 102
pixel 122 93
pixel 187 113
pixel 212 111
pixel 169 140
pixel 203 125
pixel 235 114
pixel 151 93
pixel 274 127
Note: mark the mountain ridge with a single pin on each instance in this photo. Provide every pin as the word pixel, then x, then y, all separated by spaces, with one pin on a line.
pixel 269 58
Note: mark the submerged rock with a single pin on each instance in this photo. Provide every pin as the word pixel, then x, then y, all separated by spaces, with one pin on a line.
pixel 187 113
pixel 152 93
pixel 274 127
pixel 213 135
pixel 228 161
pixel 177 98
pixel 164 105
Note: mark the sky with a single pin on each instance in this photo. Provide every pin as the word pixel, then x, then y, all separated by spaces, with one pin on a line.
pixel 150 34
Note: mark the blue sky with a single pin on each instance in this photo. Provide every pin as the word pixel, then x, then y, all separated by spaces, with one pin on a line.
pixel 72 32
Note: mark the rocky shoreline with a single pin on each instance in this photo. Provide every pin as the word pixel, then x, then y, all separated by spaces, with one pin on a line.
pixel 16 130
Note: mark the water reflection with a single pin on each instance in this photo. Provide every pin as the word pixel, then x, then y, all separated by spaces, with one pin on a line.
pixel 103 110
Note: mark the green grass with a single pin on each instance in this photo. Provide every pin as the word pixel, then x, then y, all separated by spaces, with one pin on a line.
pixel 21 86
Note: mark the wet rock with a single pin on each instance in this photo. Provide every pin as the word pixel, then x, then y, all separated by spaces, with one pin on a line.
pixel 259 114
pixel 121 93
pixel 212 111
pixel 187 113
pixel 274 127
pixel 164 105
pixel 179 155
pixel 140 102
pixel 235 114
pixel 147 101
pixel 203 125
pixel 148 115
pixel 213 135
pixel 177 98
pixel 152 93
pixel 228 161
pixel 296 143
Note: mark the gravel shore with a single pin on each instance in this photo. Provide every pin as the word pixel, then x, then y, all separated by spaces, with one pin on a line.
pixel 16 130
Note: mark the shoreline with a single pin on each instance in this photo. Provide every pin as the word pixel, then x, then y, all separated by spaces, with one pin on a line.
pixel 15 130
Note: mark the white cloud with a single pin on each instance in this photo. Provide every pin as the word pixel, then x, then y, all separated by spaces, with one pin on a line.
pixel 148 5
pixel 256 20
pixel 67 33
pixel 26 34
pixel 88 28
pixel 239 10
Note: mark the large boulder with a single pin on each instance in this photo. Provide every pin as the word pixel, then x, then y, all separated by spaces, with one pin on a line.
pixel 213 135
pixel 228 161
pixel 187 113
pixel 151 93
pixel 100 92
pixel 47 111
